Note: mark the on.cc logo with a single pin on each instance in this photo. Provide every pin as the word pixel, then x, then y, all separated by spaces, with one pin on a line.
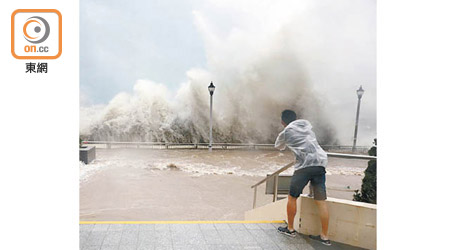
pixel 36 34
pixel 39 24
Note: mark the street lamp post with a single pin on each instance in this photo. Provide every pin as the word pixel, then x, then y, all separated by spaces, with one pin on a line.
pixel 211 89
pixel 360 93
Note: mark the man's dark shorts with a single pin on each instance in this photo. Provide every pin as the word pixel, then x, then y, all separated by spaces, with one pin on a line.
pixel 315 174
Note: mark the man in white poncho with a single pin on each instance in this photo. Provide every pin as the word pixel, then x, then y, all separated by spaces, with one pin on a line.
pixel 310 163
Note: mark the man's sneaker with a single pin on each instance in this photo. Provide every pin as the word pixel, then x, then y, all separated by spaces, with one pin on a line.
pixel 286 231
pixel 318 238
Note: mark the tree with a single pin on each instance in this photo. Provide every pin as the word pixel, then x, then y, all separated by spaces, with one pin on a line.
pixel 368 191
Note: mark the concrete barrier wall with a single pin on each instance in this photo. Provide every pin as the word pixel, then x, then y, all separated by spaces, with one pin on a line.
pixel 352 223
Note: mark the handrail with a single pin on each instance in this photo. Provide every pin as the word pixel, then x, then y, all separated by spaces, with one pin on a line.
pixel 351 156
pixel 169 145
pixel 205 143
pixel 172 145
pixel 179 143
pixel 276 173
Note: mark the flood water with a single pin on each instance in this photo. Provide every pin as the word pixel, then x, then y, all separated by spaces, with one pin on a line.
pixel 177 184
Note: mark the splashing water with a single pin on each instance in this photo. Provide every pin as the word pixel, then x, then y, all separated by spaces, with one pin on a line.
pixel 279 58
pixel 200 162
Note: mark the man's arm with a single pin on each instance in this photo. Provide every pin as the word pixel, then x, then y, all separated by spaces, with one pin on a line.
pixel 280 143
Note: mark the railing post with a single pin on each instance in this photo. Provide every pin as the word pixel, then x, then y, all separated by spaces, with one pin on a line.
pixel 275 188
pixel 254 197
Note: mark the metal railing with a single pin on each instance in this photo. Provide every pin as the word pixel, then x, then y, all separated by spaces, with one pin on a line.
pixel 345 148
pixel 166 145
pixel 220 145
pixel 277 173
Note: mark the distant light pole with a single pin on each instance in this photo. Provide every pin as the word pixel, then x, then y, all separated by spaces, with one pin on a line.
pixel 360 93
pixel 211 89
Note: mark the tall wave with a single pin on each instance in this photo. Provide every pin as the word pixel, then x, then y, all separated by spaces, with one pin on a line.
pixel 284 61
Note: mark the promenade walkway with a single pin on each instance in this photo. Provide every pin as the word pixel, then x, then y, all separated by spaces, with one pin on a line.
pixel 192 235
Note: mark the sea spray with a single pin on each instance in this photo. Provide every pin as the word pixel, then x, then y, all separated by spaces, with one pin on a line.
pixel 147 116
pixel 299 56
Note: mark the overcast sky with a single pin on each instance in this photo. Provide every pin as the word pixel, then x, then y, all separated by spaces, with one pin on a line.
pixel 123 41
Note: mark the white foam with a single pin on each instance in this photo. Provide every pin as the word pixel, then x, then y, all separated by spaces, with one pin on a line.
pixel 277 56
pixel 199 163
pixel 349 171
pixel 88 170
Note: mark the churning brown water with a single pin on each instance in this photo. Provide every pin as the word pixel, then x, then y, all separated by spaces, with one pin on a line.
pixel 145 184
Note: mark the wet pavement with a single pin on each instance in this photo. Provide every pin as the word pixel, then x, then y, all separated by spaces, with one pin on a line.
pixel 194 236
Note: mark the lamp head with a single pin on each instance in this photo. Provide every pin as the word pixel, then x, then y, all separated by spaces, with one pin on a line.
pixel 360 92
pixel 211 88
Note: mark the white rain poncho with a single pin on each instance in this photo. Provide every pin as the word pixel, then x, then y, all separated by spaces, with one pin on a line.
pixel 301 140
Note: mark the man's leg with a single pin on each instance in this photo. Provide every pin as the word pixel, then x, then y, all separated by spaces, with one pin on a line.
pixel 298 182
pixel 324 217
pixel 320 195
pixel 291 211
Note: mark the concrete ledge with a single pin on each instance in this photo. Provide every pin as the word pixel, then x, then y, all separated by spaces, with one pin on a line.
pixel 87 154
pixel 351 222
pixel 271 211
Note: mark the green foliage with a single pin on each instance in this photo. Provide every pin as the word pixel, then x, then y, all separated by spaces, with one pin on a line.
pixel 368 191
